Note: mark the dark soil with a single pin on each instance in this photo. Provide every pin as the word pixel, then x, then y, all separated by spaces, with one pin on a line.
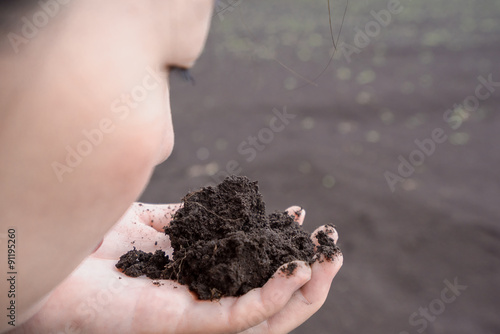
pixel 225 244
pixel 326 245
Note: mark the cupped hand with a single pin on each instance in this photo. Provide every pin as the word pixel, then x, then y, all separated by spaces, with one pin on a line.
pixel 98 298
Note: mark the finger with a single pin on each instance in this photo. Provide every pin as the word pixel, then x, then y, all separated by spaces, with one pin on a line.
pixel 156 215
pixel 135 230
pixel 237 314
pixel 297 213
pixel 125 237
pixel 323 269
pixel 311 296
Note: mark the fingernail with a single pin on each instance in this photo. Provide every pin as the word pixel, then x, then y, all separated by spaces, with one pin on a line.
pixel 300 213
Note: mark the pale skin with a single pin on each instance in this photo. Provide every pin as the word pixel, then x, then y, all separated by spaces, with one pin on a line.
pixel 63 82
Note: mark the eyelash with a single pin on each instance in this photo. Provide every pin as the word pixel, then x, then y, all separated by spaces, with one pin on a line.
pixel 184 73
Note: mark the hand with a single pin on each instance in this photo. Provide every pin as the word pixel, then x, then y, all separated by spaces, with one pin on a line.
pixel 98 298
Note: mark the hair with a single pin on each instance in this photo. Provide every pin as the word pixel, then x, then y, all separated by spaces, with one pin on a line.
pixel 12 10
pixel 15 4
pixel 11 20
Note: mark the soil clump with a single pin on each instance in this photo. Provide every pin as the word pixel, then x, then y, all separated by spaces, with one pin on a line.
pixel 225 244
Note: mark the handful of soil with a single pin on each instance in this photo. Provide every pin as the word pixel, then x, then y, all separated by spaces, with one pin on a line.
pixel 225 244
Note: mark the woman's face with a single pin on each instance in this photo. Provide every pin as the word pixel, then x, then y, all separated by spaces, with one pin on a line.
pixel 100 70
pixel 85 116
pixel 85 107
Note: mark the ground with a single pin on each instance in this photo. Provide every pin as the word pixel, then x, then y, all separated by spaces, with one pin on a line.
pixel 328 146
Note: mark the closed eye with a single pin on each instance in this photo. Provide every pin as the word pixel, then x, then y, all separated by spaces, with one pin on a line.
pixel 184 73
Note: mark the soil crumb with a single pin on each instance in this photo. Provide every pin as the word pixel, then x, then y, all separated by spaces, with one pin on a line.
pixel 225 244
pixel 327 246
pixel 289 269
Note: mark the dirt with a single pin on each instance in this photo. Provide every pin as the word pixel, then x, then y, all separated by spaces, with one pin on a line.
pixel 225 244
pixel 327 246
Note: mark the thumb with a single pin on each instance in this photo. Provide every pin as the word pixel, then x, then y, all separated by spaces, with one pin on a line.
pixel 156 215
pixel 260 304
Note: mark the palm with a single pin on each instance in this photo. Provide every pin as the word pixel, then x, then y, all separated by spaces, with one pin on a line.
pixel 97 298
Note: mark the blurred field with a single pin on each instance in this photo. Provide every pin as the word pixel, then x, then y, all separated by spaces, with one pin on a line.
pixel 441 223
